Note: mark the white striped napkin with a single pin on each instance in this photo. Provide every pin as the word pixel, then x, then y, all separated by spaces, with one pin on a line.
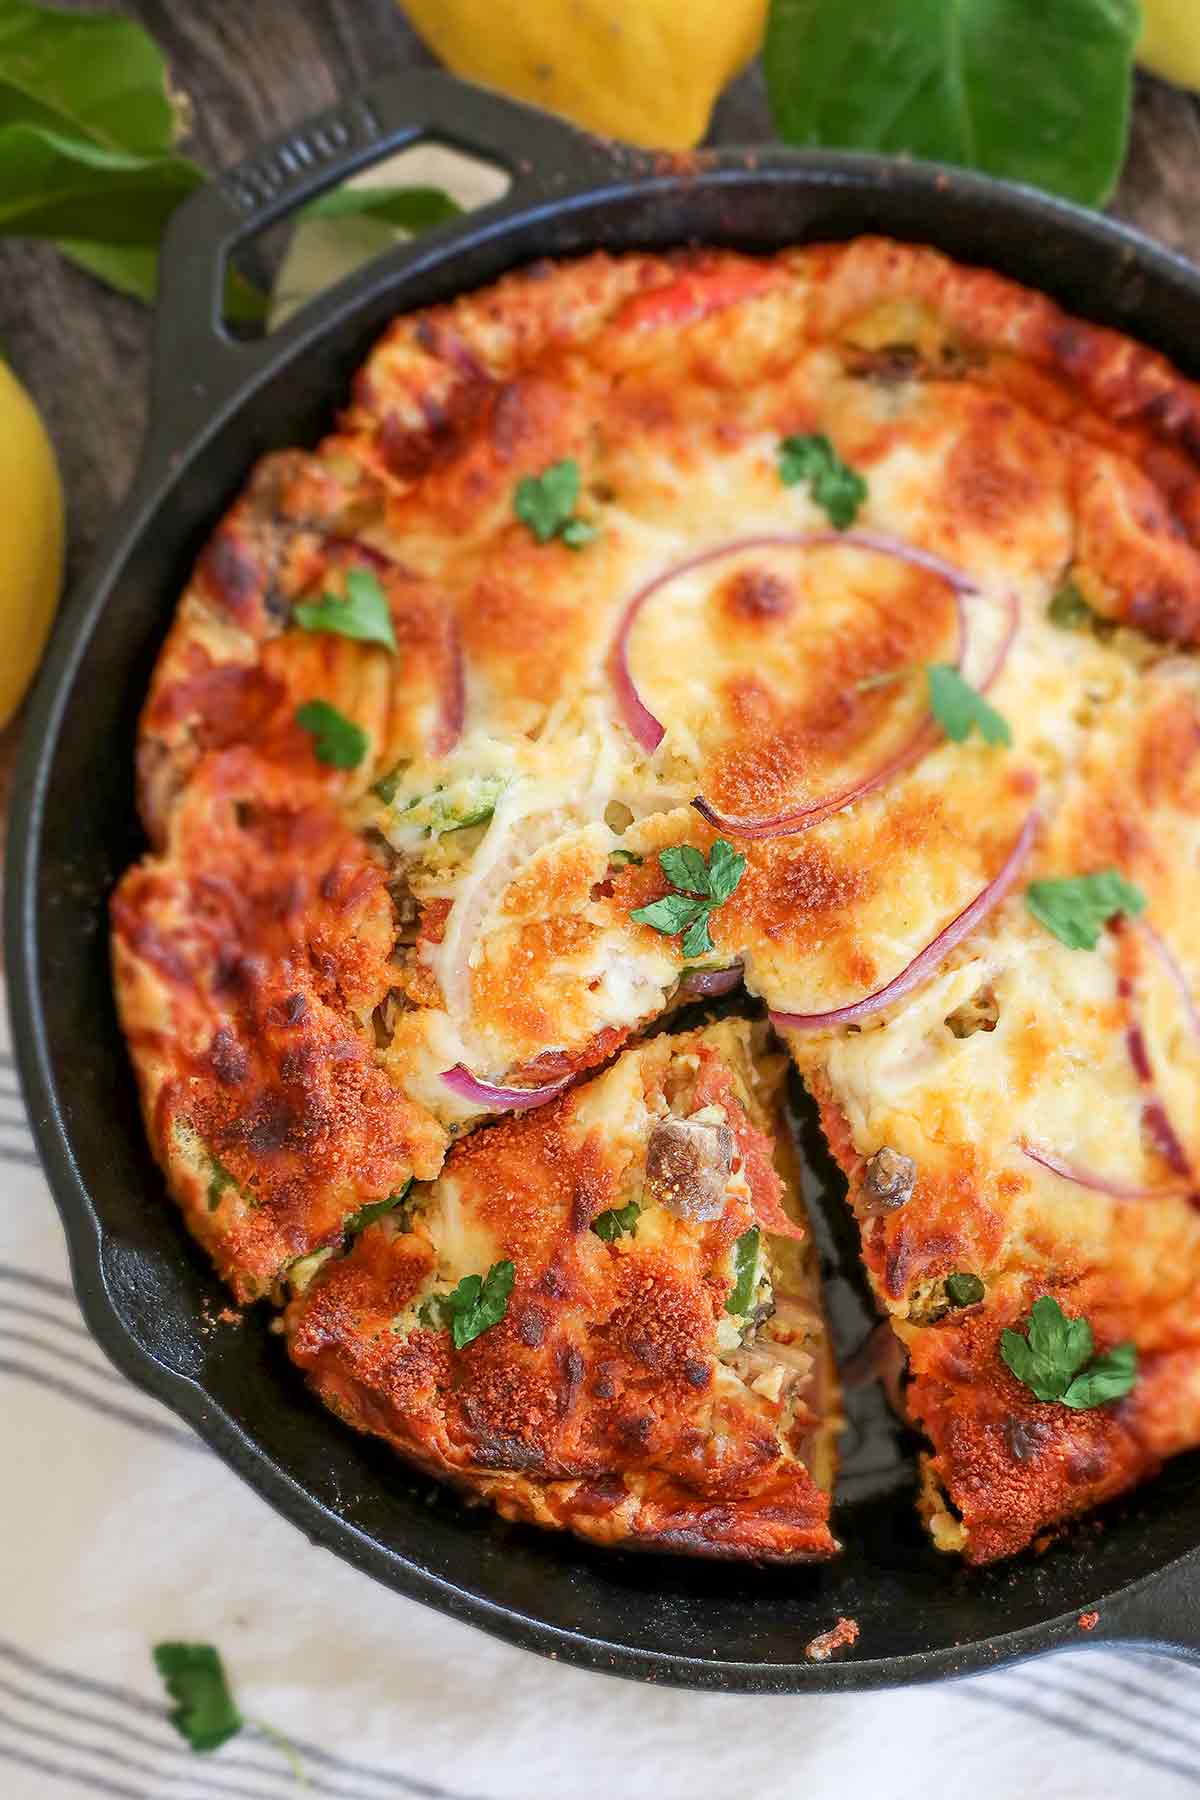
pixel 118 1528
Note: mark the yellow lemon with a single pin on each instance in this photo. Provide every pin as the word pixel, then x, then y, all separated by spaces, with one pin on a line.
pixel 1170 42
pixel 646 71
pixel 31 540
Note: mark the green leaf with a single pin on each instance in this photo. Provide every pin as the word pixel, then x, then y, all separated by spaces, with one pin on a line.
pixel 56 186
pixel 577 533
pixel 545 502
pixel 745 1266
pixel 674 912
pixel 1109 1377
pixel 618 1221
pixel 836 488
pixel 623 857
pixel 406 208
pixel 194 1678
pixel 93 74
pixel 1069 610
pixel 1077 907
pixel 129 268
pixel 697 939
pixel 337 740
pixel 376 1209
pixel 364 614
pixel 474 1306
pixel 1053 1361
pixel 964 1290
pixel 1035 90
pixel 685 868
pixel 958 707
pixel 726 866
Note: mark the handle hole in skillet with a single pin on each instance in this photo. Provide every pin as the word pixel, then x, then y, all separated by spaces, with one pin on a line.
pixel 272 275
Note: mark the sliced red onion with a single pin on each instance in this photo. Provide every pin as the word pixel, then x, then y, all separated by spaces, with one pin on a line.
pixel 927 960
pixel 705 984
pixel 1180 980
pixel 645 728
pixel 452 706
pixel 1000 655
pixel 1102 1184
pixel 1158 1126
pixel 460 1081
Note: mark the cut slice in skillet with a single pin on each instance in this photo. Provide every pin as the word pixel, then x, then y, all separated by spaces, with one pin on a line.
pixel 601 1317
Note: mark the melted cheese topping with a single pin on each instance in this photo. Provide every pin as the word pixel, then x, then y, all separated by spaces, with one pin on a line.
pixel 455 897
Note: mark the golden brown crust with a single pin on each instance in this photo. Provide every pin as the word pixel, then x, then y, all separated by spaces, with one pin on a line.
pixel 992 429
pixel 246 960
pixel 600 1402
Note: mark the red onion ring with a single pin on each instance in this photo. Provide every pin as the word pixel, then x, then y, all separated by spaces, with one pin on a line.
pixel 460 1081
pixel 926 960
pixel 705 984
pixel 643 726
pixel 1102 1184
pixel 453 701
pixel 1177 975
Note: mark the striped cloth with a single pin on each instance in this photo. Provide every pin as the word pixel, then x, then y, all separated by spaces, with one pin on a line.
pixel 118 1528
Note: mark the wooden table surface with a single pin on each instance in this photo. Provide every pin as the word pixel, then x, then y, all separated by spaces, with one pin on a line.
pixel 254 67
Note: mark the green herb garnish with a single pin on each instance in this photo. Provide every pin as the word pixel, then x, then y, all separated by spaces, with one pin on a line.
pixel 194 1678
pixel 363 614
pixel 219 1179
pixel 958 707
pixel 836 488
pixel 1055 1359
pixel 618 1221
pixel 473 1307
pixel 624 857
pixel 337 740
pixel 745 1267
pixel 1039 94
pixel 964 1290
pixel 1068 609
pixel 1077 907
pixel 376 1209
pixel 546 503
pixel 703 885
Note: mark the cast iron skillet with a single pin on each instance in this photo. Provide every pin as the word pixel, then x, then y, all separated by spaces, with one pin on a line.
pixel 147 1293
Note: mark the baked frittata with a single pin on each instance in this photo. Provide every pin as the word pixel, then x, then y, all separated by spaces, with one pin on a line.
pixel 824 622
pixel 599 1316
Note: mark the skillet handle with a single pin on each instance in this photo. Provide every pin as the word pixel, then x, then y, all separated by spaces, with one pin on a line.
pixel 197 365
pixel 1161 1613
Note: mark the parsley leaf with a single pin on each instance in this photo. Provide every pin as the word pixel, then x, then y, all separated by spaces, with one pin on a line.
pixel 674 912
pixel 546 503
pixel 964 1289
pixel 697 939
pixel 363 614
pixel 474 1306
pixel 618 1221
pixel 376 1209
pixel 837 488
pixel 725 870
pixel 957 707
pixel 706 883
pixel 337 740
pixel 1068 609
pixel 685 868
pixel 745 1266
pixel 1076 907
pixel 1055 1359
pixel 1107 1377
pixel 204 1712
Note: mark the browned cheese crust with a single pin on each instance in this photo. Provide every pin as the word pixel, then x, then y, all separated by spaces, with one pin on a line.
pixel 607 1400
pixel 307 949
